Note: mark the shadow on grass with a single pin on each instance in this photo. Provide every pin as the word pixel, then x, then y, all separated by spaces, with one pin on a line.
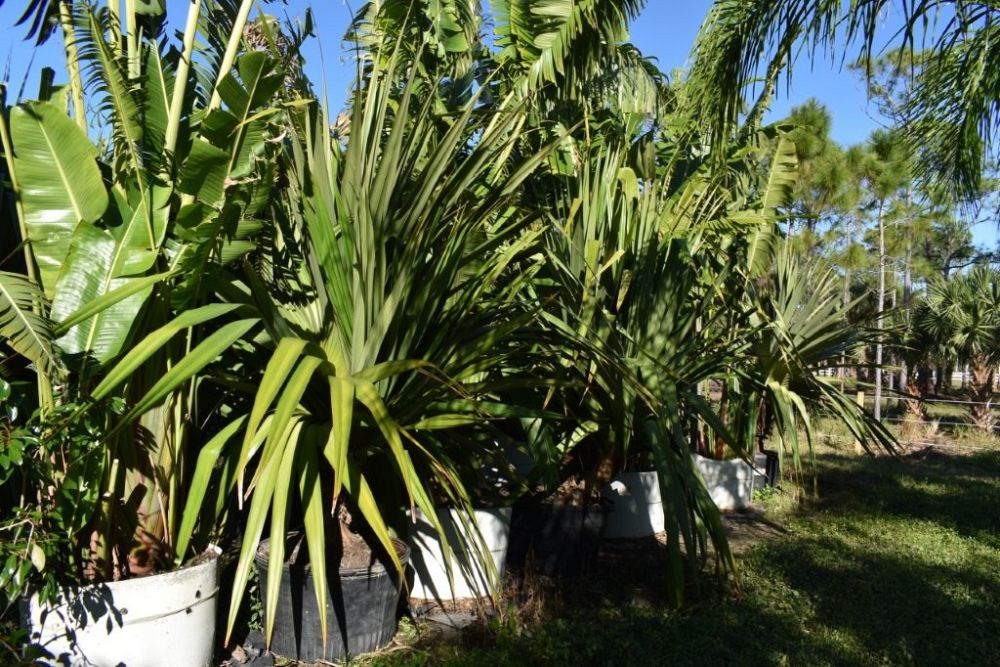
pixel 897 563
pixel 888 609
pixel 957 492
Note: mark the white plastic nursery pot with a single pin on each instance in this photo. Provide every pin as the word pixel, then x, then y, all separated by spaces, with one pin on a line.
pixel 470 578
pixel 638 508
pixel 163 620
pixel 730 483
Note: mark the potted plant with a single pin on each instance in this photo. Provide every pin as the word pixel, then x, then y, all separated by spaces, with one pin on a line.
pixel 391 321
pixel 475 566
pixel 637 505
pixel 557 527
pixel 646 354
pixel 797 328
pixel 118 237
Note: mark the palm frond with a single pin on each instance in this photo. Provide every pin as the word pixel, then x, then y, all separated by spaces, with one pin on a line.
pixel 24 324
pixel 951 117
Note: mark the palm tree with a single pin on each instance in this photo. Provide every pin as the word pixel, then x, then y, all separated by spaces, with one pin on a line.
pixel 801 329
pixel 963 316
pixel 950 120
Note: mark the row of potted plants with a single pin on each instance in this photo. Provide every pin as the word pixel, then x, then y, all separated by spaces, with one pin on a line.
pixel 247 323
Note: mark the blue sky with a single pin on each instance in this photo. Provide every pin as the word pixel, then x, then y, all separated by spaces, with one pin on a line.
pixel 666 30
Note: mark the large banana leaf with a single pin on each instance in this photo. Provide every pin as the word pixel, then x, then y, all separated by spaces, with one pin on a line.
pixel 103 260
pixel 61 185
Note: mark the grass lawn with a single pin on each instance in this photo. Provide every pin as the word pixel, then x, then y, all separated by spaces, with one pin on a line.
pixel 897 562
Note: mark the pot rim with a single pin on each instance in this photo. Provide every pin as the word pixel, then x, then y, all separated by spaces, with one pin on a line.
pixel 211 557
pixel 376 568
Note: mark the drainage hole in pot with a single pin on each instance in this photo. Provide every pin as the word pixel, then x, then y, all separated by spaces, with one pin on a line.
pixel 188 610
pixel 197 595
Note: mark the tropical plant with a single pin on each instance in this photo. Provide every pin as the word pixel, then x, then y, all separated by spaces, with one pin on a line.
pixel 801 331
pixel 391 324
pixel 529 233
pixel 962 315
pixel 918 349
pixel 121 239
pixel 620 277
pixel 950 118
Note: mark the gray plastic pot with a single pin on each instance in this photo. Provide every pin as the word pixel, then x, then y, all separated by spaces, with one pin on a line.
pixel 361 609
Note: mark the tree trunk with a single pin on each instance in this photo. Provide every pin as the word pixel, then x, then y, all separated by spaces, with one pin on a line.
pixel 765 421
pixel 893 400
pixel 915 393
pixel 981 394
pixel 846 300
pixel 881 307
pixel 842 371
pixel 904 380
pixel 720 444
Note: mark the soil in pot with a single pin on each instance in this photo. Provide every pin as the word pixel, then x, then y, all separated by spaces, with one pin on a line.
pixel 361 604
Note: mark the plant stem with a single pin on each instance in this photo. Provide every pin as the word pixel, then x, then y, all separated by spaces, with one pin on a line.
pixel 181 79
pixel 103 556
pixel 116 25
pixel 235 37
pixel 72 63
pixel 132 39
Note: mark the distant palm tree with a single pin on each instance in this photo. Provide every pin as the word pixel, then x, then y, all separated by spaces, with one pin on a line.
pixel 951 119
pixel 963 316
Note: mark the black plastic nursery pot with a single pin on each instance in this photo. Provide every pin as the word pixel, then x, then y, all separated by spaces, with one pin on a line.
pixel 361 606
pixel 559 541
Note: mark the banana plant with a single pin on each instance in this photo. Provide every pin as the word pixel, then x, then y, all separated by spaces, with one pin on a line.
pixel 127 237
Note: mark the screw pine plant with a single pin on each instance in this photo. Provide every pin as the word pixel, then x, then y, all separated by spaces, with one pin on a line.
pixel 399 324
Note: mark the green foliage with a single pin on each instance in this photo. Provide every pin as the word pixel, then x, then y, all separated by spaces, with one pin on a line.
pixel 801 330
pixel 960 318
pixel 64 466
pixel 897 562
pixel 63 187
pixel 127 232
pixel 963 315
pixel 26 330
pixel 522 244
pixel 949 117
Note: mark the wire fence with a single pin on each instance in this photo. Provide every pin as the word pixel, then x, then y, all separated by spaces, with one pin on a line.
pixel 904 397
pixel 914 443
pixel 950 420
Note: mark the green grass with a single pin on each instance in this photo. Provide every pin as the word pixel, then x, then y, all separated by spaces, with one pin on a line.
pixel 897 562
